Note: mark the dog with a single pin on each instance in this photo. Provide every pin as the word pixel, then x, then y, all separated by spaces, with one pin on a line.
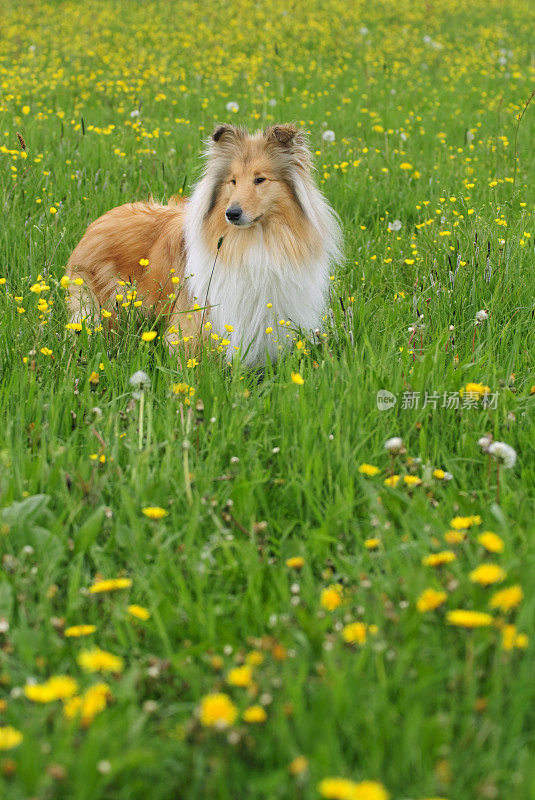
pixel 244 259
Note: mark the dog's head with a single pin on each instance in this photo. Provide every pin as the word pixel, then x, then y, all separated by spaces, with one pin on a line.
pixel 255 177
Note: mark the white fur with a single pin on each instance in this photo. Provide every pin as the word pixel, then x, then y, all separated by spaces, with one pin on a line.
pixel 239 292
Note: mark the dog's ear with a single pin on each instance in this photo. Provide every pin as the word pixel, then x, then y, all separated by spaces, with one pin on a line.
pixel 225 131
pixel 286 135
pixel 293 142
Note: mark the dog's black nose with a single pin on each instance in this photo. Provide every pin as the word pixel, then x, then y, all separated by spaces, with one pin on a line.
pixel 233 213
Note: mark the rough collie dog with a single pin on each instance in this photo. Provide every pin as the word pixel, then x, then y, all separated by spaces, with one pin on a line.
pixel 252 246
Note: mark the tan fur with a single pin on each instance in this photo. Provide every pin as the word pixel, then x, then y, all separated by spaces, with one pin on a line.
pixel 110 251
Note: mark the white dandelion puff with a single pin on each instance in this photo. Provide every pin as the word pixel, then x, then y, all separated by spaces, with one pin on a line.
pixel 504 453
pixel 485 442
pixel 394 445
pixel 140 382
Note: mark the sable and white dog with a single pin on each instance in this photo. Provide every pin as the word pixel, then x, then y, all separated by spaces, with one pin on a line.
pixel 280 241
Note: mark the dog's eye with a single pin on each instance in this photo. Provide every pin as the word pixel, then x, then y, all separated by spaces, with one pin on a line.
pixel 233 182
pixel 259 180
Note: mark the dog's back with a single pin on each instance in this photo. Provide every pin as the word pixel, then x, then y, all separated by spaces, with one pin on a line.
pixel 113 247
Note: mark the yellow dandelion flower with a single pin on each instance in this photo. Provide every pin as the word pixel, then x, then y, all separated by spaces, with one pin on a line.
pixel 53 209
pixel 298 765
pixel 460 523
pixel 478 390
pixel 508 598
pixel 369 469
pixel 58 687
pixel 331 597
pixel 429 600
pixel 80 630
pixel 486 574
pixel 97 660
pixel 355 633
pixel 254 714
pixel 344 789
pixel 216 663
pixel 9 737
pixel 139 612
pixel 392 480
pixel 254 658
pixel 454 537
pixel 295 562
pixel 439 474
pixel 412 480
pixel 217 711
pixel 240 676
pixel 468 619
pixel 91 703
pixel 511 638
pixel 491 542
pixel 65 282
pixel 148 336
pixel 154 512
pixel 438 559
pixel 297 378
pixel 405 165
pixel 110 585
pixel 372 544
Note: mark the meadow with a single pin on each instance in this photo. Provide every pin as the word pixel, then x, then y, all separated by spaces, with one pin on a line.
pixel 218 582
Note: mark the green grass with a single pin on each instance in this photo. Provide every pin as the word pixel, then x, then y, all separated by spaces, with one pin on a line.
pixel 257 469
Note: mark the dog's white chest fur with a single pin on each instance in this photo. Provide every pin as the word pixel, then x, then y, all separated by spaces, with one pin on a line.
pixel 256 294
pixel 260 280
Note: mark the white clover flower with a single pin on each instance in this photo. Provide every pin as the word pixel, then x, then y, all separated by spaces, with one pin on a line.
pixel 363 30
pixel 328 136
pixel 447 476
pixel 482 315
pixel 470 136
pixel 395 225
pixel 394 445
pixel 272 102
pixel 233 106
pixel 504 453
pixel 135 113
